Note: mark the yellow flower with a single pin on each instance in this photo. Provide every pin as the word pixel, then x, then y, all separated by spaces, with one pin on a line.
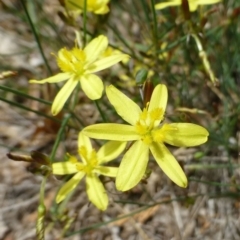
pixel 95 6
pixel 147 132
pixel 78 66
pixel 193 4
pixel 91 167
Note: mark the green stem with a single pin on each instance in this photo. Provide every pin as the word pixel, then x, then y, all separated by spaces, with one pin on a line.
pixel 85 23
pixel 29 109
pixel 12 90
pixel 35 99
pixel 121 38
pixel 204 58
pixel 40 228
pixel 36 37
pixel 155 31
pixel 78 119
pixel 145 9
pixel 100 111
pixel 59 136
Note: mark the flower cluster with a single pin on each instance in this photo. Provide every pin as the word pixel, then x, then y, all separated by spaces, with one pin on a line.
pixel 145 131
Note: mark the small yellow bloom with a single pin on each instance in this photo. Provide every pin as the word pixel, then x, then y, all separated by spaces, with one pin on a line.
pixel 147 132
pixel 79 66
pixel 95 6
pixel 193 4
pixel 91 167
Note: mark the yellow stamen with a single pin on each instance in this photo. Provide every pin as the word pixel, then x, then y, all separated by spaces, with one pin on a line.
pixel 146 124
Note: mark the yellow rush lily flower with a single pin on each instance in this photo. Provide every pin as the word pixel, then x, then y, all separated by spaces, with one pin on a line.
pixel 193 4
pixel 95 6
pixel 79 66
pixel 91 167
pixel 147 132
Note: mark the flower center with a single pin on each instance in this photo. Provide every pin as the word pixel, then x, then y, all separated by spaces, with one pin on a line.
pixel 72 61
pixel 90 161
pixel 147 125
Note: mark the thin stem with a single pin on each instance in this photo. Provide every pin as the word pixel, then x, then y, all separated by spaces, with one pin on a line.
pixel 205 61
pixel 59 136
pixel 85 23
pixel 40 228
pixel 29 109
pixel 12 90
pixel 5 88
pixel 100 111
pixel 121 38
pixel 155 31
pixel 145 9
pixel 36 37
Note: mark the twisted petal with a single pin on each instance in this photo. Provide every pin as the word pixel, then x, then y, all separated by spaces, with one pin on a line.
pixel 106 171
pixel 62 168
pixel 95 48
pixel 184 134
pixel 69 186
pixel 107 62
pixel 168 164
pixel 124 106
pixel 83 140
pixel 110 151
pixel 159 98
pixel 54 79
pixel 111 131
pixel 63 95
pixel 96 192
pixel 92 85
pixel 132 167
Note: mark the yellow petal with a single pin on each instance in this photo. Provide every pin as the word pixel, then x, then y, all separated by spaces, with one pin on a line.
pixel 69 186
pixel 124 106
pixel 193 4
pixel 167 4
pixel 193 7
pixel 83 140
pixel 95 6
pixel 111 131
pixel 54 79
pixel 169 164
pixel 184 134
pixel 99 6
pixel 102 10
pixel 92 85
pixel 107 62
pixel 95 48
pixel 106 171
pixel 72 4
pixel 63 95
pixel 110 151
pixel 132 167
pixel 159 98
pixel 206 2
pixel 96 192
pixel 62 168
